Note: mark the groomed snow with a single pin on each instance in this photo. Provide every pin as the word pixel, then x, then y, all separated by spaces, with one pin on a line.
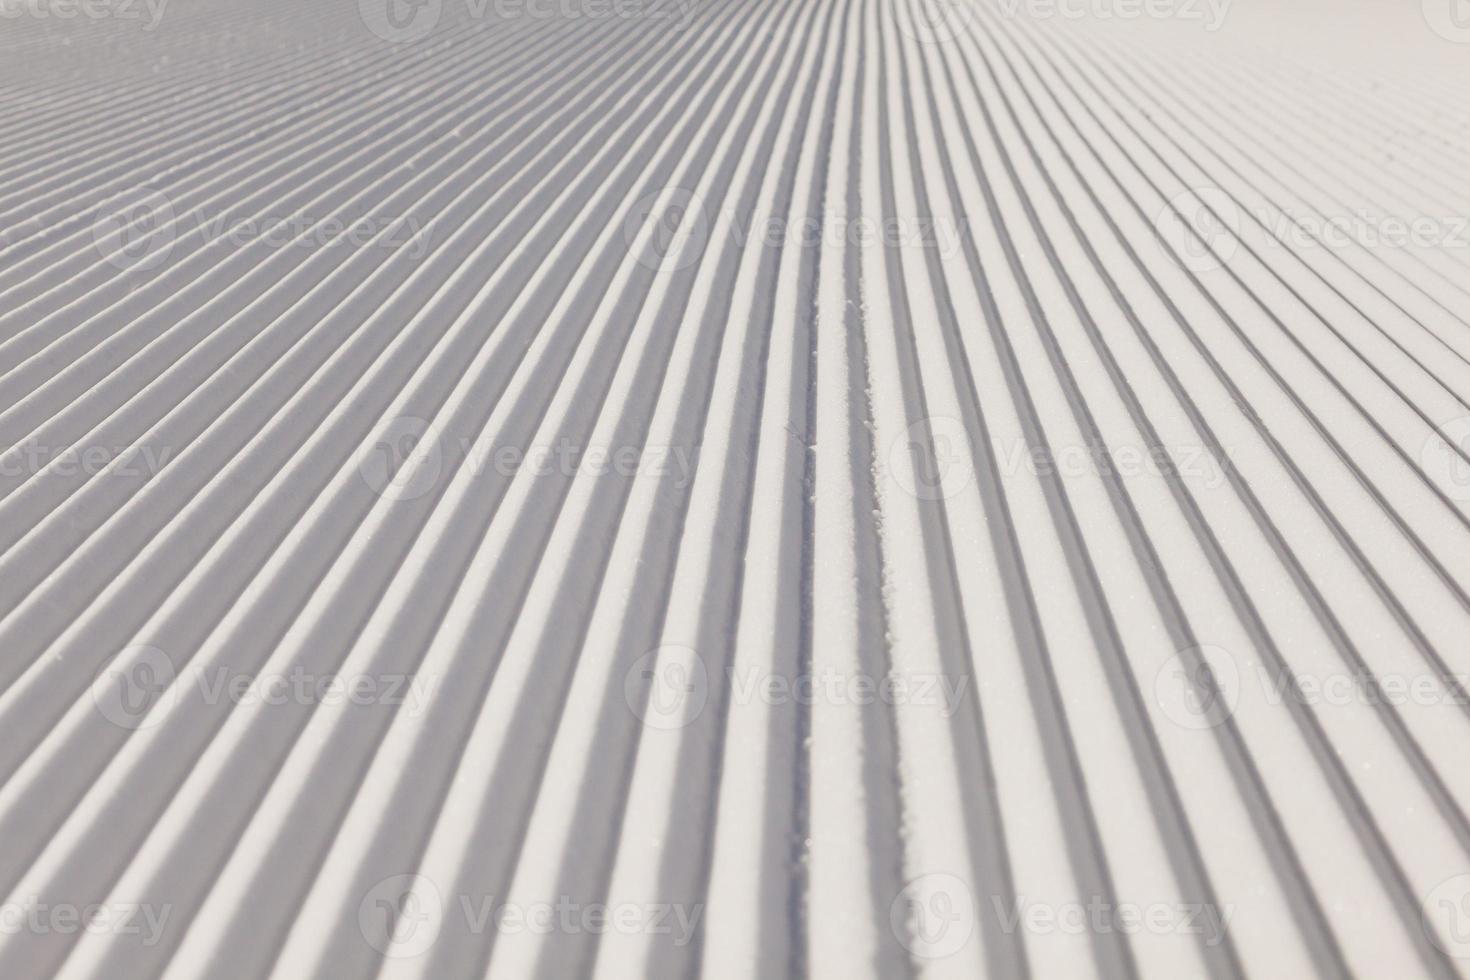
pixel 740 488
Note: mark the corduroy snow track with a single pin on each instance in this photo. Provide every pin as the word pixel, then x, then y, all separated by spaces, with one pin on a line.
pixel 734 488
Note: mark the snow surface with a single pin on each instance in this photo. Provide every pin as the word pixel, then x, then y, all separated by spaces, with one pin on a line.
pixel 644 488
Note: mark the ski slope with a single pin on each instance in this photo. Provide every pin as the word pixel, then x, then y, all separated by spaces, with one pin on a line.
pixel 737 488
